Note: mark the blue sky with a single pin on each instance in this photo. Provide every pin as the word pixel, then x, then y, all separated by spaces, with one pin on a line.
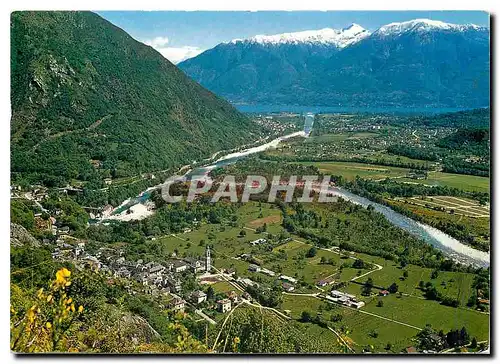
pixel 179 35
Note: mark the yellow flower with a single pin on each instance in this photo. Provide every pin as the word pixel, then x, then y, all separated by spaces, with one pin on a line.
pixel 69 300
pixel 72 307
pixel 48 325
pixel 62 275
pixel 236 340
pixel 80 309
pixel 49 298
pixel 31 314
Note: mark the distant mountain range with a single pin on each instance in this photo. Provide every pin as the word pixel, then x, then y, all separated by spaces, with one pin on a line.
pixel 416 63
pixel 90 102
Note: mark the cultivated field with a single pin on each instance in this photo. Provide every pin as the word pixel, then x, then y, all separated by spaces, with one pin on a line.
pixel 456 205
pixel 349 170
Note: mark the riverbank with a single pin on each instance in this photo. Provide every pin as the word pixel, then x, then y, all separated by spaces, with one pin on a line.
pixel 448 245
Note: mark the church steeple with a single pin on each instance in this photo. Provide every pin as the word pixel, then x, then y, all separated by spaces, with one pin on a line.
pixel 208 263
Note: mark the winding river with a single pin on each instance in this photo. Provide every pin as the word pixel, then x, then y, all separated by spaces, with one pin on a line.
pixel 450 246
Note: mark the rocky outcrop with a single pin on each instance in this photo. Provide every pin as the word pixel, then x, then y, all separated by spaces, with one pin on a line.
pixel 19 236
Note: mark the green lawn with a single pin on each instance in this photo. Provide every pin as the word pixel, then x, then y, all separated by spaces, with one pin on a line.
pixel 223 287
pixel 461 181
pixel 361 329
pixel 355 327
pixel 420 312
pixel 349 170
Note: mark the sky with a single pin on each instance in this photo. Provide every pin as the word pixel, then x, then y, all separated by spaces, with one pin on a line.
pixel 181 35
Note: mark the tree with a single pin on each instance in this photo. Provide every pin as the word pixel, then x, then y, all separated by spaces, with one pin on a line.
pixel 473 344
pixel 311 252
pixel 432 294
pixel 405 274
pixel 430 340
pixel 456 338
pixel 243 233
pixel 336 317
pixel 367 287
pixel 393 288
pixel 306 316
pixel 449 301
pixel 359 264
pixel 434 274
pixel 210 293
pixel 380 303
pixel 472 300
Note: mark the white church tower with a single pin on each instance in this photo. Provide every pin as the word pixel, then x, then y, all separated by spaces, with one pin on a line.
pixel 207 260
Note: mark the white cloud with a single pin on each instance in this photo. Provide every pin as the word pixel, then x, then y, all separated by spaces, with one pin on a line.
pixel 179 54
pixel 173 54
pixel 157 42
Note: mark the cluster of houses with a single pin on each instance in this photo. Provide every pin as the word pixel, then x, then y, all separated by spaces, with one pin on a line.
pixel 156 278
pixel 160 278
pixel 287 282
pixel 272 123
pixel 223 305
pixel 345 299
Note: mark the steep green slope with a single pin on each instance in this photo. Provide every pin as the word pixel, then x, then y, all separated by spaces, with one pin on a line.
pixel 83 89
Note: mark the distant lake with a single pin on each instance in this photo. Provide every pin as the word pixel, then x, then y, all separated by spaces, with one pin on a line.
pixel 346 109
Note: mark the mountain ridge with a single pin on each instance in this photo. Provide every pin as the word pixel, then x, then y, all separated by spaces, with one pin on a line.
pixel 447 66
pixel 339 38
pixel 89 102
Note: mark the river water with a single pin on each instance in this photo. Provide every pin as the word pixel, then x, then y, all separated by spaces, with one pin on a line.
pixel 450 246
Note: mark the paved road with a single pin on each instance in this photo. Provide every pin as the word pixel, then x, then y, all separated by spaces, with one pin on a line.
pixel 302 294
pixel 341 339
pixel 208 318
pixel 379 267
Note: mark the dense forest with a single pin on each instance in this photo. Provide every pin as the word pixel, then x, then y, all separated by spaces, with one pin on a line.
pixel 476 118
pixel 467 151
pixel 354 228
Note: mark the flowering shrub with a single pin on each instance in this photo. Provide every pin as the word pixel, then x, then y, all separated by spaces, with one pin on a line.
pixel 44 326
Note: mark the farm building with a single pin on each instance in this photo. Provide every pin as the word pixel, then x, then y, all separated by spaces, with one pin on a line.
pixel 198 297
pixel 287 278
pixel 224 305
pixel 287 287
pixel 345 299
pixel 258 241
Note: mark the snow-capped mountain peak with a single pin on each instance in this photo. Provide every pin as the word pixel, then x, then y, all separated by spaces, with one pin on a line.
pixel 422 25
pixel 339 38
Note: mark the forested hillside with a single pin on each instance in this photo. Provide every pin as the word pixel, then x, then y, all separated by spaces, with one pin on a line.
pixel 90 102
